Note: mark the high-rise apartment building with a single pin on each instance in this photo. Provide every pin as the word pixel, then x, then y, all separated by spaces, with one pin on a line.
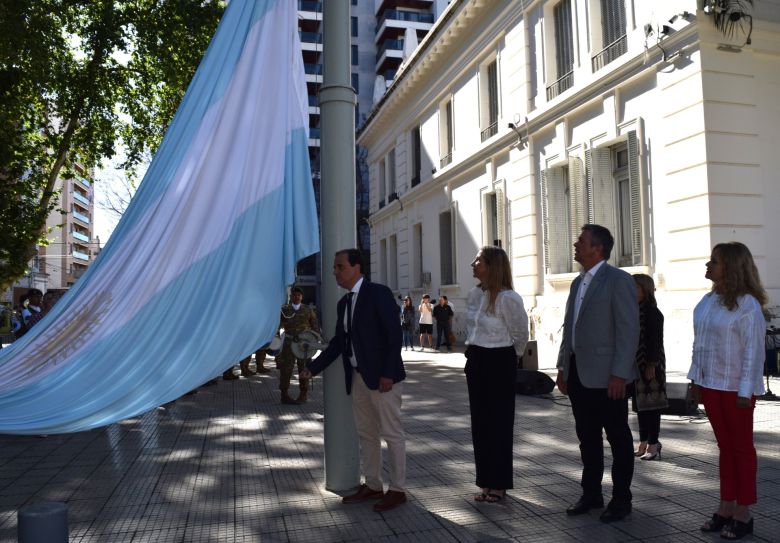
pixel 378 29
pixel 72 246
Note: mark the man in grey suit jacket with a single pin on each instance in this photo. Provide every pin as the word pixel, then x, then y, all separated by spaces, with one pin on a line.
pixel 595 363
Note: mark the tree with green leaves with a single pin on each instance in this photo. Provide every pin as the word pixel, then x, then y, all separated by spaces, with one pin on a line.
pixel 76 78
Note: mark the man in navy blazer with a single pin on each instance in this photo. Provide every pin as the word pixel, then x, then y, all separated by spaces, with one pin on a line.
pixel 595 363
pixel 368 340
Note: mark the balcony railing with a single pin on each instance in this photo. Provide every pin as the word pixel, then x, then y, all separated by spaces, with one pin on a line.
pixel 392 196
pixel 83 181
pixel 393 45
pixel 81 198
pixel 80 255
pixel 610 53
pixel 563 83
pixel 446 160
pixel 80 236
pixel 490 131
pixel 313 69
pixel 310 5
pixel 381 203
pixel 416 180
pixel 78 271
pixel 314 101
pixel 398 15
pixel 310 37
pixel 314 133
pixel 81 217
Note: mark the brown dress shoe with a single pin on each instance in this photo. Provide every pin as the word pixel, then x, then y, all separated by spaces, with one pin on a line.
pixel 364 493
pixel 392 499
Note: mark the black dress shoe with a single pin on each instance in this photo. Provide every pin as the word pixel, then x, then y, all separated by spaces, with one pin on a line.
pixel 585 504
pixel 615 512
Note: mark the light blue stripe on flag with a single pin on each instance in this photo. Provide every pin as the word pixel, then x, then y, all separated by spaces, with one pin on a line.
pixel 194 280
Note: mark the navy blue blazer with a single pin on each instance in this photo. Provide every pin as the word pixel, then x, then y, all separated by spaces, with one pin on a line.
pixel 376 338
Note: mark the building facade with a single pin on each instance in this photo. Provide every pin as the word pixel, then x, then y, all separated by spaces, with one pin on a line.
pixel 72 245
pixel 515 122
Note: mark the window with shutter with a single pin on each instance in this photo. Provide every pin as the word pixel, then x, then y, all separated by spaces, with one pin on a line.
pixel 613 33
pixel 417 255
pixel 614 193
pixel 494 215
pixel 446 245
pixel 381 183
pixel 416 156
pixel 556 206
pixel 489 100
pixel 601 190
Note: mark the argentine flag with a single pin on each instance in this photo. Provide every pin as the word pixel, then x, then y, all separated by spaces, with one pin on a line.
pixel 192 279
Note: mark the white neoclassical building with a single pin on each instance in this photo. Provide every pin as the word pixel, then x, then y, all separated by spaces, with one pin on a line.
pixel 515 122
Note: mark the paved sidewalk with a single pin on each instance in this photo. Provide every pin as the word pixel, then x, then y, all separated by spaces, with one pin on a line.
pixel 232 464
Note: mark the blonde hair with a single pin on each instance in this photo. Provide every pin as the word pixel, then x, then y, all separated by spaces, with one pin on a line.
pixel 740 275
pixel 499 273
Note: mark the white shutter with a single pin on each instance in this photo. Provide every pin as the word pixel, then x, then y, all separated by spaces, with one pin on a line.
pixel 601 192
pixel 557 254
pixel 501 219
pixel 577 201
pixel 545 221
pixel 635 184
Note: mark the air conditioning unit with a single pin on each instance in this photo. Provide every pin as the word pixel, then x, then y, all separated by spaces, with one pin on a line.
pixel 426 278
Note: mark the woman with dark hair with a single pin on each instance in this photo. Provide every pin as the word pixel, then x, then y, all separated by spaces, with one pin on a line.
pixel 650 388
pixel 726 374
pixel 407 322
pixel 497 331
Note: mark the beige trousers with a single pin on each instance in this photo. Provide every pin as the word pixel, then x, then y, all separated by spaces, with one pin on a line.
pixel 378 416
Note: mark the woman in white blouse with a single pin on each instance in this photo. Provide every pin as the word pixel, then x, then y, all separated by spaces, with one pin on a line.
pixel 726 372
pixel 497 327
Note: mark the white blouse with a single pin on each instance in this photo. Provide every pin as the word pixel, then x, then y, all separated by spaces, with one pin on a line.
pixel 507 326
pixel 728 346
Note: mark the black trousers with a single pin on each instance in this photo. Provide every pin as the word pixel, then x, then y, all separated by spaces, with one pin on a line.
pixel 443 330
pixel 490 376
pixel 593 410
pixel 649 425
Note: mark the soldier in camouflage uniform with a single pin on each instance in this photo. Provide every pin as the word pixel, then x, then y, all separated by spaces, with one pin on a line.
pixel 296 318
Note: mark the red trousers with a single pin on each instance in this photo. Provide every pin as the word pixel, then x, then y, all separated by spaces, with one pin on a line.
pixel 733 429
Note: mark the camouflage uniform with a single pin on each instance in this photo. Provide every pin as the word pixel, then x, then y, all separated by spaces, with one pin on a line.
pixel 294 322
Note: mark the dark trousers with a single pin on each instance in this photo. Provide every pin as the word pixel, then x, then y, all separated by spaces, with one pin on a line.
pixel 649 425
pixel 490 376
pixel 593 410
pixel 443 329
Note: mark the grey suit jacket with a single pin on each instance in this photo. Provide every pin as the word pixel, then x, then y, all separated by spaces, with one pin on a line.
pixel 607 330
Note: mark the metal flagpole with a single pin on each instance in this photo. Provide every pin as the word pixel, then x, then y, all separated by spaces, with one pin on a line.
pixel 337 166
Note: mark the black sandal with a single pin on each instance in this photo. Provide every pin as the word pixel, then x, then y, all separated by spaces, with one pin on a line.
pixel 716 523
pixel 737 529
pixel 492 497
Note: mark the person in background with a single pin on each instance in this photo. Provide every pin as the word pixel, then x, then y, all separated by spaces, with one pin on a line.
pixel 407 322
pixel 497 331
pixel 34 299
pixel 426 321
pixel 650 387
pixel 726 375
pixel 442 313
pixel 296 318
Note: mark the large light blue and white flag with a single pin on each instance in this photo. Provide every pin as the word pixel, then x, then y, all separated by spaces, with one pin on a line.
pixel 192 279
